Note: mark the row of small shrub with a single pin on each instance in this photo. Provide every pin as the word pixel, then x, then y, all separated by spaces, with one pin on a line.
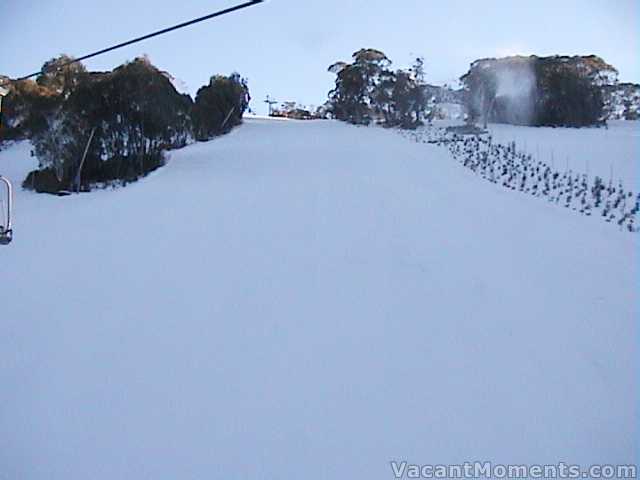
pixel 506 166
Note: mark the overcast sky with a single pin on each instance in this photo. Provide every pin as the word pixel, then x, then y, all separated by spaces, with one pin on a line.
pixel 285 46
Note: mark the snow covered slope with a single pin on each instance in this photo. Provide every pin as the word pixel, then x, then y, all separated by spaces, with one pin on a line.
pixel 310 300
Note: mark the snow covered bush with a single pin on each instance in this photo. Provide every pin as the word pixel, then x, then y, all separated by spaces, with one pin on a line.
pixel 130 115
pixel 98 128
pixel 220 105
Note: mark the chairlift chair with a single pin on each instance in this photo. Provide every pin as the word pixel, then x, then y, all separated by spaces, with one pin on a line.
pixel 6 234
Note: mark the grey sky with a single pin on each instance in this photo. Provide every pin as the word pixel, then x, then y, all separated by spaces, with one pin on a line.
pixel 285 46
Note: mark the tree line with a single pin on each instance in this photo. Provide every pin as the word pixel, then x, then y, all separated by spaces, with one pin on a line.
pixel 534 91
pixel 368 90
pixel 105 128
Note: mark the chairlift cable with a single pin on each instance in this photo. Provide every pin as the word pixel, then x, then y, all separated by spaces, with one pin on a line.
pixel 219 13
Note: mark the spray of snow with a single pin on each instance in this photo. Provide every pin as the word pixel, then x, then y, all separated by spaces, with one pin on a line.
pixel 515 91
pixel 516 82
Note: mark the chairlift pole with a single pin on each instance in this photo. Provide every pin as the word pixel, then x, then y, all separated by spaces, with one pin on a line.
pixel 227 117
pixel 6 234
pixel 3 93
pixel 84 157
pixel 271 102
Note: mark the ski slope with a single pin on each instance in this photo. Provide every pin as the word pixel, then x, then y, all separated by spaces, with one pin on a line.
pixel 310 300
